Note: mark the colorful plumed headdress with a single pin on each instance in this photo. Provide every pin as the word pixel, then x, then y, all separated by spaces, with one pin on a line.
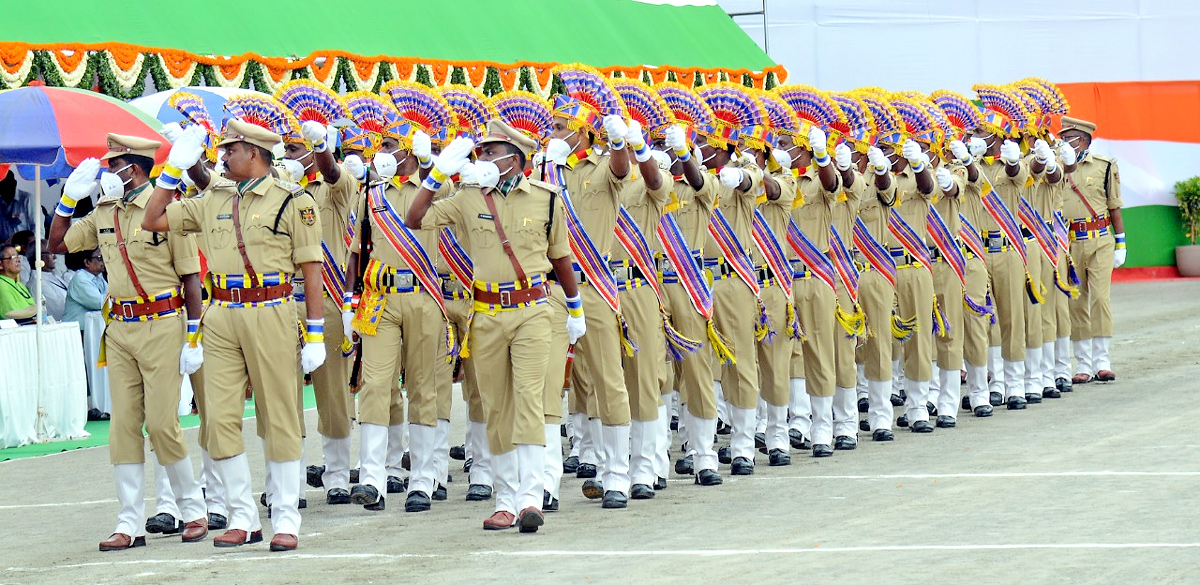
pixel 780 116
pixel 1003 114
pixel 1043 100
pixel 889 127
pixel 960 113
pixel 858 127
pixel 644 105
pixel 813 107
pixel 310 101
pixel 373 119
pixel 686 107
pixel 264 111
pixel 524 111
pixel 918 124
pixel 419 107
pixel 471 109
pixel 737 116
pixel 191 106
pixel 588 99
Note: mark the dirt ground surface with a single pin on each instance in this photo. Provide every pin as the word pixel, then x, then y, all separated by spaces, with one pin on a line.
pixel 1097 487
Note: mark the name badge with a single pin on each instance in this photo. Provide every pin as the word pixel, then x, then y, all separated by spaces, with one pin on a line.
pixel 486 216
pixel 225 216
pixel 107 230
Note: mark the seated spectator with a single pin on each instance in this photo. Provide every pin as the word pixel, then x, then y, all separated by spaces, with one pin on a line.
pixel 54 286
pixel 23 241
pixel 16 302
pixel 88 288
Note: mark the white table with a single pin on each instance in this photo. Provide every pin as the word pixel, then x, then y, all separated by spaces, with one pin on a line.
pixel 64 384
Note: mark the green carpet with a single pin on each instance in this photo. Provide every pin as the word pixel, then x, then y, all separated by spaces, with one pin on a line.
pixel 99 434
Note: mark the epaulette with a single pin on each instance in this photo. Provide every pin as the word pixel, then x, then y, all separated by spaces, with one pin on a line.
pixel 216 180
pixel 106 201
pixel 1103 158
pixel 544 185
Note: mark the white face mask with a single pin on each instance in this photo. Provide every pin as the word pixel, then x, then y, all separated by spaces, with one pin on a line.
pixel 498 159
pixel 294 169
pixel 117 174
pixel 487 174
pixel 385 164
pixel 111 186
pixel 663 160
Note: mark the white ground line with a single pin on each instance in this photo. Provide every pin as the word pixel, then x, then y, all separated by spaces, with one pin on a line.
pixel 1016 475
pixel 239 558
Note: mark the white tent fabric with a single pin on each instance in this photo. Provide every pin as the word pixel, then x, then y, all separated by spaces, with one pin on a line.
pixel 926 45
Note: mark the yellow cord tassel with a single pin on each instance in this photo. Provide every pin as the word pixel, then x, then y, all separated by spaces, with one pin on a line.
pixel 939 319
pixel 793 322
pixel 720 345
pixel 1037 293
pixel 627 344
pixel 902 329
pixel 762 328
pixel 1066 287
pixel 452 349
pixel 855 323
pixel 464 350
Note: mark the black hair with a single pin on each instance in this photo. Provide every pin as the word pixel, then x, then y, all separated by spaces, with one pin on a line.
pixel 263 152
pixel 75 260
pixel 142 162
pixel 515 150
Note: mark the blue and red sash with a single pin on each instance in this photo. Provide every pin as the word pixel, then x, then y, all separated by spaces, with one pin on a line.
pixel 634 242
pixel 909 239
pixel 675 248
pixel 593 264
pixel 971 238
pixel 1036 226
pixel 844 264
pixel 772 252
pixel 814 259
pixel 731 248
pixel 947 245
pixel 460 263
pixel 1004 218
pixel 877 256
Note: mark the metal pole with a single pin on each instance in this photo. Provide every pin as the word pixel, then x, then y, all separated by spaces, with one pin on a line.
pixel 766 40
pixel 41 409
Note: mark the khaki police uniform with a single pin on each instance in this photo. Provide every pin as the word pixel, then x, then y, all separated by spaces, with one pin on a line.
pixel 976 328
pixel 845 415
pixel 1097 180
pixel 877 297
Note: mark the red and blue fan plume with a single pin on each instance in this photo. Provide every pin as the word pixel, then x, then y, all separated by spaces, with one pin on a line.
pixel 191 106
pixel 887 119
pixel 471 108
pixel 961 113
pixel 685 105
pixel 644 105
pixel 420 105
pixel 810 104
pixel 524 111
pixel 310 101
pixel 369 112
pixel 858 124
pixel 589 85
pixel 999 100
pixel 780 116
pixel 265 111
pixel 732 104
pixel 917 121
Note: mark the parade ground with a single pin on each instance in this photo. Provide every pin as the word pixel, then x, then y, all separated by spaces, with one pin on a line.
pixel 1099 486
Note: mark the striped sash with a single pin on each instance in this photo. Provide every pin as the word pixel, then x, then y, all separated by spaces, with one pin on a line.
pixel 817 262
pixel 1004 218
pixel 676 250
pixel 460 263
pixel 731 248
pixel 1060 232
pixel 634 242
pixel 971 238
pixel 1036 226
pixel 844 264
pixel 909 239
pixel 772 251
pixel 332 274
pixel 946 244
pixel 877 256
pixel 594 266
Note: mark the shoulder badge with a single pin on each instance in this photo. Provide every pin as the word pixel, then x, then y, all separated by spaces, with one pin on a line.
pixel 543 185
pixel 308 215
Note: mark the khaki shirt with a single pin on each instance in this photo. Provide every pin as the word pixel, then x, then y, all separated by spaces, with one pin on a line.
pixel 595 194
pixel 777 213
pixel 845 208
pixel 524 214
pixel 1098 179
pixel 646 207
pixel 875 206
pixel 813 208
pixel 1010 189
pixel 280 226
pixel 911 204
pixel 334 203
pixel 694 211
pixel 400 195
pixel 737 207
pixel 948 207
pixel 159 260
pixel 970 203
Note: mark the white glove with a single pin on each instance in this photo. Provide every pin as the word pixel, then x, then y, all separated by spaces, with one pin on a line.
pixel 487 174
pixel 294 168
pixel 191 358
pixel 817 141
pixel 977 146
pixel 1010 153
pixel 944 180
pixel 730 177
pixel 843 157
pixel 82 181
pixel 959 150
pixel 1119 253
pixel 347 328
pixel 557 150
pixel 912 151
pixel 782 157
pixel 187 149
pixel 188 183
pixel 316 135
pixel 616 129
pixel 677 139
pixel 634 136
pixel 467 175
pixel 1042 151
pixel 385 165
pixel 878 160
pixel 356 167
pixel 171 131
pixel 1067 153
pixel 454 156
pixel 576 327
pixel 422 148
pixel 312 355
pixel 111 186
